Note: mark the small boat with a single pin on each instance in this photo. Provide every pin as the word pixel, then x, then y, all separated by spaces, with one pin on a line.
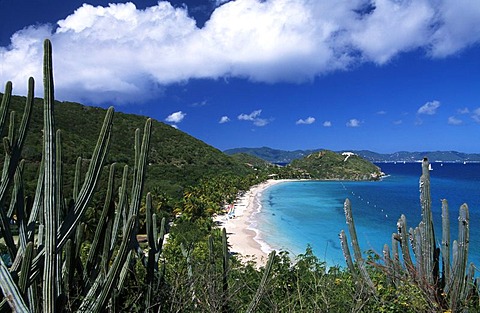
pixel 430 167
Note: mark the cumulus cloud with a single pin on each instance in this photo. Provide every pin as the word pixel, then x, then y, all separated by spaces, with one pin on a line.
pixel 429 108
pixel 463 111
pixel 176 117
pixel 254 117
pixel 353 123
pixel 452 120
pixel 224 119
pixel 124 54
pixel 309 120
pixel 327 124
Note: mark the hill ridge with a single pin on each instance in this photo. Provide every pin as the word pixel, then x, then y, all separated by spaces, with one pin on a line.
pixel 285 156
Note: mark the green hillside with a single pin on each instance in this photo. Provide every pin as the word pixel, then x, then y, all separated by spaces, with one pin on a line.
pixel 176 160
pixel 272 155
pixel 251 160
pixel 330 165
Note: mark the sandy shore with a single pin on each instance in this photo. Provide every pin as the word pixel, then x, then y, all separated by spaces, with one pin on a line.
pixel 241 236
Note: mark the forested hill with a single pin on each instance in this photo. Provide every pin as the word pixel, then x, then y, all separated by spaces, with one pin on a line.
pixel 272 155
pixel 330 165
pixel 176 159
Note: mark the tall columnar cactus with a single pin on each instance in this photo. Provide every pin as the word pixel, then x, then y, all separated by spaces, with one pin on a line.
pixel 453 287
pixel 459 268
pixel 61 232
pixel 50 195
pixel 13 147
pixel 356 247
pixel 428 238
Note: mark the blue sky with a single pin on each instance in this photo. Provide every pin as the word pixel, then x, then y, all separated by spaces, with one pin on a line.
pixel 382 75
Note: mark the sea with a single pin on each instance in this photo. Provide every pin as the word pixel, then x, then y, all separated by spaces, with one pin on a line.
pixel 300 213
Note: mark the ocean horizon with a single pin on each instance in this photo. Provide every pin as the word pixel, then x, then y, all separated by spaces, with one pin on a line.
pixel 300 213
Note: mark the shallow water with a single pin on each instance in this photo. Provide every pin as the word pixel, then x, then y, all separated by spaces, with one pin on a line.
pixel 295 214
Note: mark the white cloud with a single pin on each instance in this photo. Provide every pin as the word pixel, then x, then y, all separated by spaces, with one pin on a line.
pixel 452 120
pixel 220 2
pixel 250 117
pixel 254 117
pixel 224 119
pixel 199 104
pixel 353 123
pixel 382 112
pixel 309 120
pixel 429 108
pixel 327 124
pixel 397 122
pixel 476 115
pixel 124 54
pixel 393 27
pixel 463 111
pixel 457 27
pixel 176 117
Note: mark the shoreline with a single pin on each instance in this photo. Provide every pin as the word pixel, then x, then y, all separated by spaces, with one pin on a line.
pixel 243 238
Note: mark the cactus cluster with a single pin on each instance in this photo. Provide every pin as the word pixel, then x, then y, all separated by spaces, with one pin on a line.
pixel 48 273
pixel 448 283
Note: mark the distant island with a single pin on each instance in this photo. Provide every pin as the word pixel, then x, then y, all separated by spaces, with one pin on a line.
pixel 283 157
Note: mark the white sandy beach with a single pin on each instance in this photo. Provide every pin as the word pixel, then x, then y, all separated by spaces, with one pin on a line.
pixel 242 238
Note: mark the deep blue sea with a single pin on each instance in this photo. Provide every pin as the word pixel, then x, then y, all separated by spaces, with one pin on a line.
pixel 295 214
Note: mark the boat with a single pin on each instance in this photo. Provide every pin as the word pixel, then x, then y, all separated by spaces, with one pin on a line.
pixel 430 168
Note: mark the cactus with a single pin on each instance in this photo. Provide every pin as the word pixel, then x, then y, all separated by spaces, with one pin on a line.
pixel 428 238
pixel 356 248
pixel 346 251
pixel 258 295
pixel 454 287
pixel 445 244
pixel 10 290
pixel 12 157
pixel 155 243
pixel 95 247
pixel 50 195
pixel 460 265
pixel 61 232
pixel 395 257
pixel 402 232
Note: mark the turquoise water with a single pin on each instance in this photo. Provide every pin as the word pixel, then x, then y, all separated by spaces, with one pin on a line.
pixel 295 214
